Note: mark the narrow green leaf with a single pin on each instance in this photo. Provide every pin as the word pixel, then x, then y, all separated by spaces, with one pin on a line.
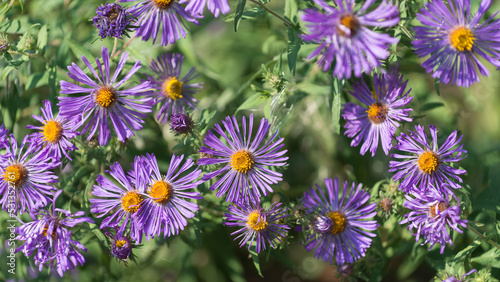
pixel 436 86
pixel 337 86
pixel 291 11
pixel 430 106
pixel 42 39
pixel 490 258
pixel 98 233
pixel 37 79
pixel 467 251
pixel 255 258
pixel 6 72
pixel 253 101
pixel 240 8
pixel 23 4
pixel 293 48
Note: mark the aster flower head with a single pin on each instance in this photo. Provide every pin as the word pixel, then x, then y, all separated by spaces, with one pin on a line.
pixel 428 163
pixel 167 202
pixel 432 215
pixel 121 245
pixel 381 113
pixel 55 133
pixel 48 237
pixel 171 91
pixel 165 15
pixel 345 38
pixel 25 174
pixel 214 6
pixel 103 100
pixel 454 41
pixel 257 224
pixel 181 123
pixel 246 170
pixel 112 20
pixel 350 231
pixel 121 202
pixel 452 278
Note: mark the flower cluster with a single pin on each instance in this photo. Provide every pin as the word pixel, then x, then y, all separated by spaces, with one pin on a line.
pixel 50 240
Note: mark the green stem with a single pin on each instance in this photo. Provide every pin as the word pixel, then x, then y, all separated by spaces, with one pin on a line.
pixel 287 22
pixel 114 47
pixel 123 47
pixel 494 244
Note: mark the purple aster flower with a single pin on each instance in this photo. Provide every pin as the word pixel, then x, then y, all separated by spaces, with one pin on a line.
pixel 181 123
pixel 454 41
pixel 55 133
pixel 112 20
pixel 153 15
pixel 172 92
pixel 50 240
pixel 352 220
pixel 121 202
pixel 453 279
pixel 166 205
pixel 345 38
pixel 381 113
pixel 25 177
pixel 4 142
pixel 246 162
pixel 103 100
pixel 121 246
pixel 215 6
pixel 429 163
pixel 432 215
pixel 257 224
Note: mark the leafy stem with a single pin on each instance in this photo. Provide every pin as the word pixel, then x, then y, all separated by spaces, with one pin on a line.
pixel 471 228
pixel 263 6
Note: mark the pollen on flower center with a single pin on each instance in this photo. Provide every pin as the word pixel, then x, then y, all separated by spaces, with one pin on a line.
pixel 132 201
pixel 52 131
pixel 173 88
pixel 339 222
pixel 256 221
pixel 242 161
pixel 462 39
pixel 442 206
pixel 105 96
pixel 351 23
pixel 120 243
pixel 428 162
pixel 377 112
pixel 16 174
pixel 163 4
pixel 161 192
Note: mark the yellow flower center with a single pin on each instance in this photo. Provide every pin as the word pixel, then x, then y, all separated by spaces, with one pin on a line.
pixel 162 4
pixel 16 174
pixel 339 222
pixel 105 96
pixel 256 221
pixel 132 201
pixel 52 131
pixel 120 243
pixel 351 23
pixel 173 88
pixel 241 161
pixel 428 162
pixel 377 112
pixel 161 192
pixel 462 39
pixel 442 206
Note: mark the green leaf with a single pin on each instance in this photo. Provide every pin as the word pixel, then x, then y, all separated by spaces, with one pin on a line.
pixel 6 72
pixel 253 101
pixel 42 39
pixel 430 106
pixel 436 86
pixel 22 4
pixel 37 79
pixel 79 51
pixel 490 258
pixel 291 11
pixel 467 251
pixel 337 86
pixel 22 42
pixel 240 8
pixel 98 233
pixel 249 14
pixel 293 48
pixel 255 258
